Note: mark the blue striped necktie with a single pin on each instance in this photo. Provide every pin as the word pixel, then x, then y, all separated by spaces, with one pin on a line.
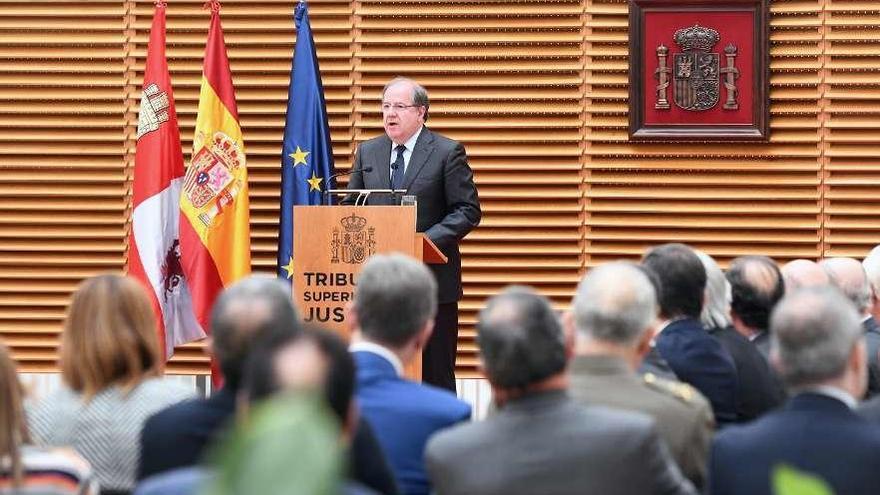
pixel 397 168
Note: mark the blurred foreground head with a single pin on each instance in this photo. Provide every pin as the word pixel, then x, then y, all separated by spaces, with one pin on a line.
pixel 395 301
pixel 682 280
pixel 110 336
pixel 250 307
pixel 816 339
pixel 521 340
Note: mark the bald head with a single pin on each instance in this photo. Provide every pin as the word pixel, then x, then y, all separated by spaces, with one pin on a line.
pixel 800 273
pixel 848 275
pixel 815 331
pixel 756 286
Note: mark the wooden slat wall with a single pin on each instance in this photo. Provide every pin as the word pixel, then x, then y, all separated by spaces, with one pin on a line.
pixel 536 90
pixel 62 162
pixel 727 200
pixel 853 126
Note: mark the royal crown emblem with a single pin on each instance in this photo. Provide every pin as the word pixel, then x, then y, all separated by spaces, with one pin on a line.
pixel 352 245
pixel 212 181
pixel 154 110
pixel 696 70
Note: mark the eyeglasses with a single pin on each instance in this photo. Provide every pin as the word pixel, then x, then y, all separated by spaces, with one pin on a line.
pixel 397 107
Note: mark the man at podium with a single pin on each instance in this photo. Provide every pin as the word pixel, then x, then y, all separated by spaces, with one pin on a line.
pixel 435 170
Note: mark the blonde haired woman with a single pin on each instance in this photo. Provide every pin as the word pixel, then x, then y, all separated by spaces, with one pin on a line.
pixel 25 468
pixel 110 364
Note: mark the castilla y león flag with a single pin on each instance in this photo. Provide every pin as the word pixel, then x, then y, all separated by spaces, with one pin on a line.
pixel 214 216
pixel 154 248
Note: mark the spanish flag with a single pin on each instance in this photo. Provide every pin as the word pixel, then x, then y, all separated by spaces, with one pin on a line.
pixel 214 206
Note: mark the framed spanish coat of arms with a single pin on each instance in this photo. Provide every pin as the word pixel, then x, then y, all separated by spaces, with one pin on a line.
pixel 698 70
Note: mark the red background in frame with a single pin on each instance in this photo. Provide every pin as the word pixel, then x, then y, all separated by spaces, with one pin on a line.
pixel 735 27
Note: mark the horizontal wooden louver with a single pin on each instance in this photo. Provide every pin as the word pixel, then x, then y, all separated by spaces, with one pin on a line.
pixel 62 163
pixel 726 200
pixel 852 127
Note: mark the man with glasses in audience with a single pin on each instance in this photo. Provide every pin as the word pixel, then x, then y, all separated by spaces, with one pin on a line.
pixel 435 170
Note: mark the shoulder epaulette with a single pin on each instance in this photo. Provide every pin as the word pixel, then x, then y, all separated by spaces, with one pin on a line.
pixel 679 390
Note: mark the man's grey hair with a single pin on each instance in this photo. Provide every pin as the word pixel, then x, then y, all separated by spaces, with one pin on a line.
pixel 716 309
pixel 394 298
pixel 615 303
pixel 848 275
pixel 871 264
pixel 813 333
pixel 253 305
pixel 419 94
pixel 521 339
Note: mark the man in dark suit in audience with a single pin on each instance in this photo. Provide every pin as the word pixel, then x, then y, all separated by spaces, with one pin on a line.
pixel 848 275
pixel 391 319
pixel 694 356
pixel 435 170
pixel 612 318
pixel 756 287
pixel 180 435
pixel 540 441
pixel 818 348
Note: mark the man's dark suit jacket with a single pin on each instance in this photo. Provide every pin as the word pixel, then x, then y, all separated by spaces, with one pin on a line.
pixel 813 433
pixel 180 435
pixel 872 344
pixel 439 176
pixel 759 389
pixel 700 360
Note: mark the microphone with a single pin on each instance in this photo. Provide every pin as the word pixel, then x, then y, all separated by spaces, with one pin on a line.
pixel 368 168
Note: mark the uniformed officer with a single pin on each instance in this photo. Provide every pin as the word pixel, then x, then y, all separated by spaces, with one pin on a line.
pixel 612 320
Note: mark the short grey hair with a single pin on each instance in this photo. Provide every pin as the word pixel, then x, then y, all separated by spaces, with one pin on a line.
pixel 252 306
pixel 615 303
pixel 521 339
pixel 842 274
pixel 871 264
pixel 394 298
pixel 419 94
pixel 813 333
pixel 716 309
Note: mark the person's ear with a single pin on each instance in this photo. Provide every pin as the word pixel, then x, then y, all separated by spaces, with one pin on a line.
pixel 643 346
pixel 568 333
pixel 351 320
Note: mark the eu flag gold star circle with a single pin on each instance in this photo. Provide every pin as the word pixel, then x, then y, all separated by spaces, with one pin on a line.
pixel 315 183
pixel 299 156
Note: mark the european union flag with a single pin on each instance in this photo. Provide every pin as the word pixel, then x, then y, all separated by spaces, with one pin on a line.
pixel 307 156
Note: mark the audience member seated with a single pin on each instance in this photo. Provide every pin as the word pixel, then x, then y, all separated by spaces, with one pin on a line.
pixel 613 317
pixel 819 350
pixel 26 468
pixel 111 365
pixel 801 273
pixel 315 361
pixel 391 319
pixel 283 362
pixel 756 287
pixel 695 357
pixel 849 276
pixel 178 436
pixel 540 441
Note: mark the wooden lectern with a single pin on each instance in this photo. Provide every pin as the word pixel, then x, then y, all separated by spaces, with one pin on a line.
pixel 331 245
